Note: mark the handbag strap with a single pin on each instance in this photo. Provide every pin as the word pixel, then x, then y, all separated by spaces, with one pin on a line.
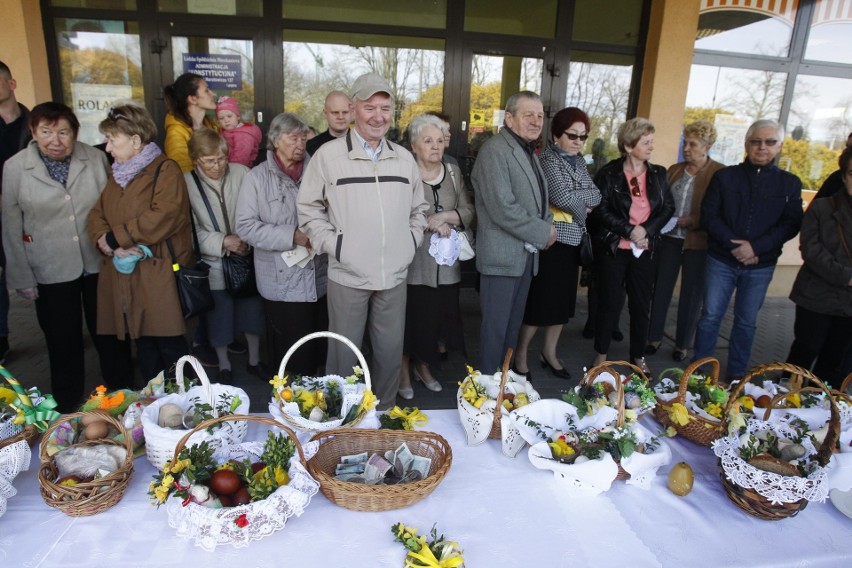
pixel 196 247
pixel 206 201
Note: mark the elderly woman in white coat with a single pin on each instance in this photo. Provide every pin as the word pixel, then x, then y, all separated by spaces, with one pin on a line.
pixel 293 290
pixel 213 186
pixel 49 188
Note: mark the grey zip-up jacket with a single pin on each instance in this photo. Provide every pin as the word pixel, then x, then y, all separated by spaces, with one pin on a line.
pixel 368 217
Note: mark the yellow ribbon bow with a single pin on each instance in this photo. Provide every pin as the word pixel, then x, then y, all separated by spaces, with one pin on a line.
pixel 410 417
pixel 426 558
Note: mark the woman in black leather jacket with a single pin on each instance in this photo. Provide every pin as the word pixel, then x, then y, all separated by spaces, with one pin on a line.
pixel 635 205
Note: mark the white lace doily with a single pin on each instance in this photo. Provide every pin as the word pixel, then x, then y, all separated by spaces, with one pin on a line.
pixel 211 527
pixel 14 459
pixel 585 479
pixel 643 467
pixel 352 395
pixel 445 250
pixel 774 487
pixel 477 421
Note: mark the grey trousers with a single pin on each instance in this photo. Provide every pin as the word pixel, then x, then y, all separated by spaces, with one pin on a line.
pixel 502 300
pixel 382 312
pixel 671 259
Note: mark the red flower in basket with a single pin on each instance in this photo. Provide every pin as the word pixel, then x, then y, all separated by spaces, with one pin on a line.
pixel 242 521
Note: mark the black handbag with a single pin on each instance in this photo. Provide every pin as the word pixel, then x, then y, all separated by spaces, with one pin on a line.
pixel 193 284
pixel 238 269
pixel 587 253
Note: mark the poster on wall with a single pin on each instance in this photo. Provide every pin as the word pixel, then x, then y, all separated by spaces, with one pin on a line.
pixel 222 72
pixel 91 105
pixel 730 138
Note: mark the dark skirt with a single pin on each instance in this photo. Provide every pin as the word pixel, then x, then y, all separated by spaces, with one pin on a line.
pixel 553 291
pixel 432 314
pixel 288 322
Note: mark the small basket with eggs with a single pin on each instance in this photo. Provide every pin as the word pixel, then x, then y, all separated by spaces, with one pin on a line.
pixel 234 494
pixel 167 419
pixel 485 401
pixel 772 468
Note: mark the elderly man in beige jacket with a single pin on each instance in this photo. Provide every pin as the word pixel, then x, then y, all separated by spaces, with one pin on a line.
pixel 361 202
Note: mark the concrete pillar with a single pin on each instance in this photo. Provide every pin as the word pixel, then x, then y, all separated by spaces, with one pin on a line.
pixel 22 48
pixel 665 76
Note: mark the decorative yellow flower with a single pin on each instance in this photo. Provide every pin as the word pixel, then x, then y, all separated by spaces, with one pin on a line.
pixel 630 415
pixel 795 400
pixel 405 533
pixel 679 414
pixel 746 401
pixel 714 410
pixel 161 493
pixel 278 383
pixel 671 432
pixel 368 402
pixel 227 465
pixel 736 421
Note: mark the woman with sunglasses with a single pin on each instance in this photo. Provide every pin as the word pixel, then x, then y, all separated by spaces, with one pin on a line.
pixel 573 195
pixel 433 289
pixel 684 249
pixel 636 204
pixel 144 203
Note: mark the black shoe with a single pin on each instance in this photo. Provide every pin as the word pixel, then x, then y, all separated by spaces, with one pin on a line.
pixel 679 355
pixel 652 347
pixel 260 371
pixel 225 377
pixel 617 336
pixel 4 349
pixel 527 375
pixel 588 332
pixel 237 348
pixel 206 355
pixel 558 373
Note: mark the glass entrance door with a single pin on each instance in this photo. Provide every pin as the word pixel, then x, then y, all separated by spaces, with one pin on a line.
pixel 226 58
pixel 491 81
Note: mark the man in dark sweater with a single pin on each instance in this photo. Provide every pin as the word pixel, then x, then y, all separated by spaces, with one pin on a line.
pixel 749 211
pixel 337 112
pixel 14 136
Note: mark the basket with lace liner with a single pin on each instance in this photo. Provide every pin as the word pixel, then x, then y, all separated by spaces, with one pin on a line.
pixel 335 444
pixel 91 497
pixel 699 429
pixel 352 394
pixel 210 527
pixel 28 433
pixel 160 442
pixel 612 367
pixel 755 501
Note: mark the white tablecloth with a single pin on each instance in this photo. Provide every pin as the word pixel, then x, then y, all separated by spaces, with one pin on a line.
pixel 502 511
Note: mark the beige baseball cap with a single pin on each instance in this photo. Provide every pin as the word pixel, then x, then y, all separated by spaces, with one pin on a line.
pixel 368 85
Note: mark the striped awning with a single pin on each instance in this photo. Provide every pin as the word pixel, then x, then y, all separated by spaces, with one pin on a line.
pixel 825 11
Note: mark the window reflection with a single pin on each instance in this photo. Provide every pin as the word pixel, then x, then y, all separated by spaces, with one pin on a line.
pixel 316 63
pixel 830 36
pixel 536 19
pixel 599 84
pixel 820 120
pixel 415 13
pixel 99 62
pixel 732 99
pixel 764 28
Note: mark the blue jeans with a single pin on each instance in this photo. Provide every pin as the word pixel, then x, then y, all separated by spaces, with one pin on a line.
pixel 721 280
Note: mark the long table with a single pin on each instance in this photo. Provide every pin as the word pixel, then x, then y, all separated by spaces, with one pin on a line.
pixel 502 511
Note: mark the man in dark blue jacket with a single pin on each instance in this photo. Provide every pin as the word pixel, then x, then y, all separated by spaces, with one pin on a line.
pixel 749 211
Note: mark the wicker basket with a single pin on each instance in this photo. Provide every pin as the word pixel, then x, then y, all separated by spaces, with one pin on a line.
pixel 93 497
pixel 210 527
pixel 28 433
pixel 847 382
pixel 160 442
pixel 611 367
pixel 496 433
pixel 293 419
pixel 359 497
pixel 750 500
pixel 699 429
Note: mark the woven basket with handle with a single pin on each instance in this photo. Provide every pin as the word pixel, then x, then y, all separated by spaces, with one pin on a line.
pixel 92 497
pixel 612 368
pixel 291 416
pixel 210 527
pixel 699 429
pixel 360 497
pixel 750 500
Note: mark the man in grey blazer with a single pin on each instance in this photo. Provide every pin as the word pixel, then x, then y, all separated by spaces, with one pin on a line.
pixel 514 223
